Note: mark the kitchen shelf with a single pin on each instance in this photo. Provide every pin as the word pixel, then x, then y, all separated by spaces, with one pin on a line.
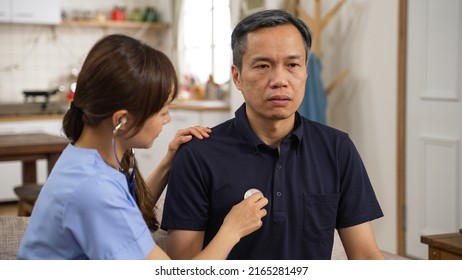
pixel 114 24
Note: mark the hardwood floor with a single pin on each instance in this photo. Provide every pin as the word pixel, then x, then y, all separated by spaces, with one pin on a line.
pixel 9 208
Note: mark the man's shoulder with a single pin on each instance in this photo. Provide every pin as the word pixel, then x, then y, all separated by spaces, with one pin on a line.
pixel 221 135
pixel 313 128
pixel 219 131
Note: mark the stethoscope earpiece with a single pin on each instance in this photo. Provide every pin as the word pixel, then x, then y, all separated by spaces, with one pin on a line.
pixel 130 173
pixel 122 121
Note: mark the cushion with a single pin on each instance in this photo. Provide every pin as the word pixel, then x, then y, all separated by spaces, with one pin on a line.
pixel 11 232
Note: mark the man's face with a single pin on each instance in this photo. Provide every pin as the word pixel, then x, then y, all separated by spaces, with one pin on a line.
pixel 273 75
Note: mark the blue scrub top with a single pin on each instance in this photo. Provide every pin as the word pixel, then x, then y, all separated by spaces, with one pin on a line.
pixel 315 184
pixel 85 211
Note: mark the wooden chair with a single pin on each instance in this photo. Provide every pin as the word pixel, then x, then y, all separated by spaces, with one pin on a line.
pixel 27 195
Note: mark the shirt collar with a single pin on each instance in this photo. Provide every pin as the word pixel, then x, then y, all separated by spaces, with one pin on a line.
pixel 243 126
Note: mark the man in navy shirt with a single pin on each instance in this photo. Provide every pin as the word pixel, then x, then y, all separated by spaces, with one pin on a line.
pixel 312 174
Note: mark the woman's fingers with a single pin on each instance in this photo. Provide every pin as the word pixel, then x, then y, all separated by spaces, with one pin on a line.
pixel 260 202
pixel 197 131
pixel 185 135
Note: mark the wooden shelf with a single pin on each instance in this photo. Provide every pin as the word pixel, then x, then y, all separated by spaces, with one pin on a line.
pixel 114 24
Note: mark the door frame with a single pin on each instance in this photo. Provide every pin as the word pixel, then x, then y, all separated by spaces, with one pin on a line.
pixel 401 127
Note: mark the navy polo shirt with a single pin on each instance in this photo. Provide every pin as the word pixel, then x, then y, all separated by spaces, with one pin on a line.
pixel 315 184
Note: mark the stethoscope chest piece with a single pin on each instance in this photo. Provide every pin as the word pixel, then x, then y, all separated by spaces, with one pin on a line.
pixel 251 191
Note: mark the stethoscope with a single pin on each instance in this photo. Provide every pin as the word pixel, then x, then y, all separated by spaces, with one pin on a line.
pixel 130 175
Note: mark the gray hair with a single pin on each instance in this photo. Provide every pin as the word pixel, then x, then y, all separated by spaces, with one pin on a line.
pixel 262 19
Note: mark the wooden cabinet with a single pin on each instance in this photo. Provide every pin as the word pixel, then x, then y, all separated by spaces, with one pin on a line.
pixel 444 246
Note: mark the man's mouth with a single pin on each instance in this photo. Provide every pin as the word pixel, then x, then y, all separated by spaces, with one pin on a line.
pixel 279 100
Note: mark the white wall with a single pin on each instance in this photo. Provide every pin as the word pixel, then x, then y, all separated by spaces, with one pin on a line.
pixel 365 105
pixel 363 38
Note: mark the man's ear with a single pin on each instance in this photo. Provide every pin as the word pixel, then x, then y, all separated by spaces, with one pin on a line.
pixel 236 74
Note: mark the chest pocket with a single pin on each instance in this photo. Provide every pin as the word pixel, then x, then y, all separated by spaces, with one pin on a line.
pixel 320 214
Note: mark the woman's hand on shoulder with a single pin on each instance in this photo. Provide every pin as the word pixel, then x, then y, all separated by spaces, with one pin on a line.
pixel 159 176
pixel 185 135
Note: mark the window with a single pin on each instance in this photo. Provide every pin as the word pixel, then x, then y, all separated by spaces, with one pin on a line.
pixel 204 49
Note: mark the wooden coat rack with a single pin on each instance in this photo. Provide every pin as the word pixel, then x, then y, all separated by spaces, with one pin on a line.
pixel 317 24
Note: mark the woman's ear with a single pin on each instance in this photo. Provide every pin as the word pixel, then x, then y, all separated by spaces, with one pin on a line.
pixel 120 118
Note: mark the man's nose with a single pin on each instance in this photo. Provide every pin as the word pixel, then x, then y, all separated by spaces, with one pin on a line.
pixel 279 77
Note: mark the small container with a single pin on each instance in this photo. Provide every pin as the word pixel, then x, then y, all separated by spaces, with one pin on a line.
pixel 136 15
pixel 101 17
pixel 151 15
pixel 118 14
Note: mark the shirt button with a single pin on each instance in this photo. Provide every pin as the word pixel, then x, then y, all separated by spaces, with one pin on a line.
pixel 279 194
pixel 278 166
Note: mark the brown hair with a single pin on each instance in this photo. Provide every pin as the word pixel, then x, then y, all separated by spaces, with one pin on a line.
pixel 118 73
